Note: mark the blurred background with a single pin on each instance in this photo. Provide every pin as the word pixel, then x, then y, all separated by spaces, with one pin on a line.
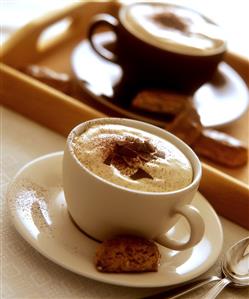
pixel 232 15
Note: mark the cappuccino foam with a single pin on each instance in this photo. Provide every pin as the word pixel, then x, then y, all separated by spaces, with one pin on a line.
pixel 174 28
pixel 132 158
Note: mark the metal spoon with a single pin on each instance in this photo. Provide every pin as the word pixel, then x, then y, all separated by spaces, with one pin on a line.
pixel 236 260
pixel 235 267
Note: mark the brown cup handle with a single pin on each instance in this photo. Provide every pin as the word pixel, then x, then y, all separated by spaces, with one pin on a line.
pixel 98 21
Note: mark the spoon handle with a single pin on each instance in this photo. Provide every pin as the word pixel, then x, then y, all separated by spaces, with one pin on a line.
pixel 215 290
pixel 196 285
pixel 177 292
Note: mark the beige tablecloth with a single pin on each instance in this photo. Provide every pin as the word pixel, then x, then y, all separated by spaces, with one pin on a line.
pixel 26 274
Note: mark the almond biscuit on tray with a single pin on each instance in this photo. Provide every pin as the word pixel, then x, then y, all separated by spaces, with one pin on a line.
pixel 160 101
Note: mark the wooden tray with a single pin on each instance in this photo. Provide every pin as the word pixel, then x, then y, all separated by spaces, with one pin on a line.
pixel 226 189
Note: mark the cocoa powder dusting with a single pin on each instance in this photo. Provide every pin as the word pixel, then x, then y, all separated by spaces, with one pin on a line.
pixel 170 20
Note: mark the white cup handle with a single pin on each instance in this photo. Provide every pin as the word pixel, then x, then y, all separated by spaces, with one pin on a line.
pixel 197 228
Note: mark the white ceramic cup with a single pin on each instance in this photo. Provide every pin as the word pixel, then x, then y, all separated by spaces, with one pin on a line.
pixel 102 209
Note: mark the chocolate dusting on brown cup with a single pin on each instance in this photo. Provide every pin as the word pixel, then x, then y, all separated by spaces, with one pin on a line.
pixel 170 20
pixel 129 154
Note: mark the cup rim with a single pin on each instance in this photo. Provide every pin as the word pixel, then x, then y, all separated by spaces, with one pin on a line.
pixel 216 51
pixel 197 170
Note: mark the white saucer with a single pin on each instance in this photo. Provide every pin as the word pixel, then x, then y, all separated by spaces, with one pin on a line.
pixel 219 102
pixel 39 212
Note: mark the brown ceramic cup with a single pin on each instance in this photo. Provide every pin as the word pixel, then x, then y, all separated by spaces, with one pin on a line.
pixel 167 44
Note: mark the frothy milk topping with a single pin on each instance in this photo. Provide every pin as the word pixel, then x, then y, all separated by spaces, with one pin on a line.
pixel 174 28
pixel 132 158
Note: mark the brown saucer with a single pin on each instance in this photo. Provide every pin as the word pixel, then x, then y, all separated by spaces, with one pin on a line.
pixel 219 102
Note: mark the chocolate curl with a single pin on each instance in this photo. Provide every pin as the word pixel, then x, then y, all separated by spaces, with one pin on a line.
pixel 129 154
